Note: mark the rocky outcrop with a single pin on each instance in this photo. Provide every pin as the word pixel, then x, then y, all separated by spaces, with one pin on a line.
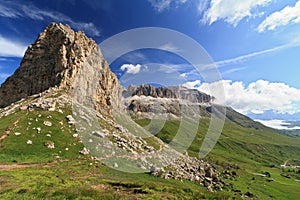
pixel 55 60
pixel 174 92
pixel 193 169
pixel 173 101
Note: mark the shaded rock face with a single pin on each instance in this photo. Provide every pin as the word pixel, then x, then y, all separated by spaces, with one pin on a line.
pixel 174 92
pixel 55 59
pixel 175 100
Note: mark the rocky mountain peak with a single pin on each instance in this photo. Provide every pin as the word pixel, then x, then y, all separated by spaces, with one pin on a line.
pixel 171 92
pixel 53 61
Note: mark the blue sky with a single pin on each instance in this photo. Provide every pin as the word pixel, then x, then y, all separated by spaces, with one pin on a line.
pixel 254 43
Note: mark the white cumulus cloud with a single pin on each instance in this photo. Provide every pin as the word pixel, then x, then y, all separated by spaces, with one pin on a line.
pixel 288 15
pixel 10 48
pixel 192 84
pixel 131 69
pixel 232 11
pixel 257 97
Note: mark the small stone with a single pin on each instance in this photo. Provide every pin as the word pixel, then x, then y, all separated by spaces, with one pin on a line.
pixel 38 129
pixel 47 123
pixel 23 107
pixel 67 149
pixel 75 135
pixel 49 145
pixel 17 133
pixel 29 142
pixel 98 134
pixel 48 135
pixel 70 118
pixel 154 169
pixel 116 165
pixel 84 151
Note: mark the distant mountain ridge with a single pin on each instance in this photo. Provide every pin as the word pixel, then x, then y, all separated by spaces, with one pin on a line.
pixel 173 92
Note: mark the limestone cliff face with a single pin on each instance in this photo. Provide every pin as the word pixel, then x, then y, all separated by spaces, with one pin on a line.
pixel 172 92
pixel 56 58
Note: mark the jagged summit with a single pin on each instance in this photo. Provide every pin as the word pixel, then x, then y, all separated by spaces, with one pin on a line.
pixel 54 60
pixel 173 92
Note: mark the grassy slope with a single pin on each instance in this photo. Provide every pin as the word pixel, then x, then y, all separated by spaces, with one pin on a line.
pixel 15 148
pixel 65 174
pixel 81 180
pixel 254 151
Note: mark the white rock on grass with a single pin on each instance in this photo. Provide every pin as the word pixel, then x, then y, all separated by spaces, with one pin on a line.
pixel 48 135
pixel 38 129
pixel 47 123
pixel 17 133
pixel 24 107
pixel 84 151
pixel 50 145
pixel 29 142
pixel 75 135
pixel 70 118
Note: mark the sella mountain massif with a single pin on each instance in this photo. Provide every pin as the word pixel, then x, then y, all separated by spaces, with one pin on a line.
pixel 47 130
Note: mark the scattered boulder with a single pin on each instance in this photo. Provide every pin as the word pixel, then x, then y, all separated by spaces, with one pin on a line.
pixel 192 169
pixel 24 107
pixel 47 123
pixel 154 169
pixel 17 133
pixel 84 151
pixel 70 119
pixel 29 142
pixel 98 134
pixel 50 145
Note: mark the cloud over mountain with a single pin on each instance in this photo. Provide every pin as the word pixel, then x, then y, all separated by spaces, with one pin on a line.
pixel 257 97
